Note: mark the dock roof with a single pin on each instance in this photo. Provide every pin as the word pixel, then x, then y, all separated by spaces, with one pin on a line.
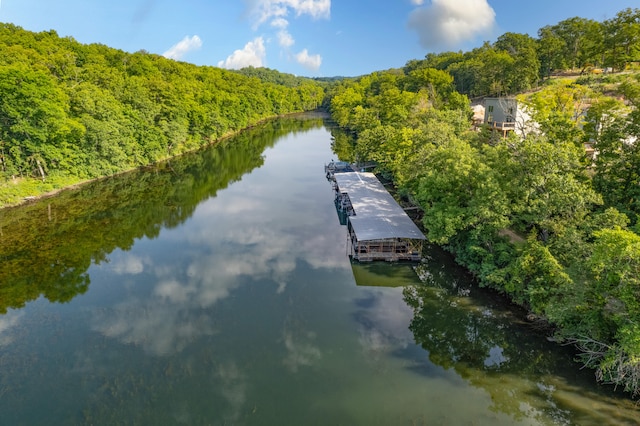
pixel 378 216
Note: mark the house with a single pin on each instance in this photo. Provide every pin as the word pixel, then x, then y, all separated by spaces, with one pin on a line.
pixel 505 115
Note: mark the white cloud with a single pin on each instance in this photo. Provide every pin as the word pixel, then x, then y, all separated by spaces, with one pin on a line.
pixel 181 48
pixel 446 23
pixel 253 54
pixel 264 10
pixel 280 23
pixel 384 325
pixel 311 62
pixel 285 39
pixel 417 2
pixel 277 13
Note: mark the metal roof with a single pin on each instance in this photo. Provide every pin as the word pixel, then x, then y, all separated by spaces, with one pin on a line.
pixel 378 215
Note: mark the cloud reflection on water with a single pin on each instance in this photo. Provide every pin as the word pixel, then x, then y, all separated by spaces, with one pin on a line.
pixel 7 322
pixel 248 234
pixel 384 324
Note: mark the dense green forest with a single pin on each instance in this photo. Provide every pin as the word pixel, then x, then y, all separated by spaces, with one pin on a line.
pixel 516 62
pixel 71 112
pixel 531 216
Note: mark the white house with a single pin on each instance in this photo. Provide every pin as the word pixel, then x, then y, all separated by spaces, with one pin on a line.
pixel 506 115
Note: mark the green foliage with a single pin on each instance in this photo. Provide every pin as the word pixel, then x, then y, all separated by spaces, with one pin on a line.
pixel 459 192
pixel 515 62
pixel 622 38
pixel 536 277
pixel 572 43
pixel 86 111
pixel 578 267
pixel 618 162
pixel 560 110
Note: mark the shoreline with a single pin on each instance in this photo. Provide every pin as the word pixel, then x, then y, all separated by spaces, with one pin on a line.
pixel 48 194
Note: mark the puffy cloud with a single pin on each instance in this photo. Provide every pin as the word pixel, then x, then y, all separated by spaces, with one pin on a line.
pixel 184 46
pixel 280 23
pixel 264 10
pixel 234 390
pixel 384 324
pixel 311 62
pixel 446 23
pixel 285 39
pixel 253 54
pixel 277 13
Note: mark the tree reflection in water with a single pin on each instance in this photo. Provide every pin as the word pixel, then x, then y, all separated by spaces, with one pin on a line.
pixel 46 247
pixel 490 345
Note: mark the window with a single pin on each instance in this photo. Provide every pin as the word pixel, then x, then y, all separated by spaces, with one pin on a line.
pixel 490 108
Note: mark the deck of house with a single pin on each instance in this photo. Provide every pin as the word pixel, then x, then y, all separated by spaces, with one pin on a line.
pixel 502 126
pixel 378 228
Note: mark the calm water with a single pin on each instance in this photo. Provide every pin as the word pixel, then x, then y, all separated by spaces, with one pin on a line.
pixel 215 289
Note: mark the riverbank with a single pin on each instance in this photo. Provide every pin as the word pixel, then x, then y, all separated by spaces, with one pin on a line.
pixel 20 191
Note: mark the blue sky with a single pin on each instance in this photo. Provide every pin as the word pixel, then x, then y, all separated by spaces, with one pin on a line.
pixel 302 37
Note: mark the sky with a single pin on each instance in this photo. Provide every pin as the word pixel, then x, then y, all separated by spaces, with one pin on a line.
pixel 313 38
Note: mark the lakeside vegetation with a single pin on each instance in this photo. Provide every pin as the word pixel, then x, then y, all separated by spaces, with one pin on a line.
pixel 71 112
pixel 532 217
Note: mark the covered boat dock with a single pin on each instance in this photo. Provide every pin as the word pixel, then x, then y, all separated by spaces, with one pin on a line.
pixel 379 229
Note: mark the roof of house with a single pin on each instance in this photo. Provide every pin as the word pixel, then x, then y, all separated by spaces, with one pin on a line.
pixel 377 215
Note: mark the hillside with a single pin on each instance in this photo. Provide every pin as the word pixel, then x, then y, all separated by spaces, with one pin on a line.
pixel 71 112
pixel 530 215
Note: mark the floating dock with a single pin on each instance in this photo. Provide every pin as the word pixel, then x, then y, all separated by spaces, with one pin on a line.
pixel 378 228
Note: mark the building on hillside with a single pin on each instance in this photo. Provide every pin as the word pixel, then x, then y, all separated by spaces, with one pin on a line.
pixel 378 228
pixel 505 115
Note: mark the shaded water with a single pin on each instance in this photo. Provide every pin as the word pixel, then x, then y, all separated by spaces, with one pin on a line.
pixel 215 289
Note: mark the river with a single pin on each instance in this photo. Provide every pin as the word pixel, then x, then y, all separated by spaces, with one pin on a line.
pixel 216 289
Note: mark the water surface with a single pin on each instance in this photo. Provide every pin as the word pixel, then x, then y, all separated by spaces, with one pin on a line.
pixel 215 289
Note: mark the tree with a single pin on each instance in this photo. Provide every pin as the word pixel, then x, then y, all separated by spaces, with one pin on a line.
pixel 437 84
pixel 34 120
pixel 622 38
pixel 550 51
pixel 548 186
pixel 560 111
pixel 458 191
pixel 582 41
pixel 618 162
pixel 526 66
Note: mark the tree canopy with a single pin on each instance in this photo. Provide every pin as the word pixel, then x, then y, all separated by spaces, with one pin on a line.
pixel 517 62
pixel 71 112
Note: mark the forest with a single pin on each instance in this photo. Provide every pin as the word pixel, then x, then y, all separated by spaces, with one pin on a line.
pixel 71 112
pixel 531 215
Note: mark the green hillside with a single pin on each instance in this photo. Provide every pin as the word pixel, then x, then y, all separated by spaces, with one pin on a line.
pixel 532 215
pixel 71 112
